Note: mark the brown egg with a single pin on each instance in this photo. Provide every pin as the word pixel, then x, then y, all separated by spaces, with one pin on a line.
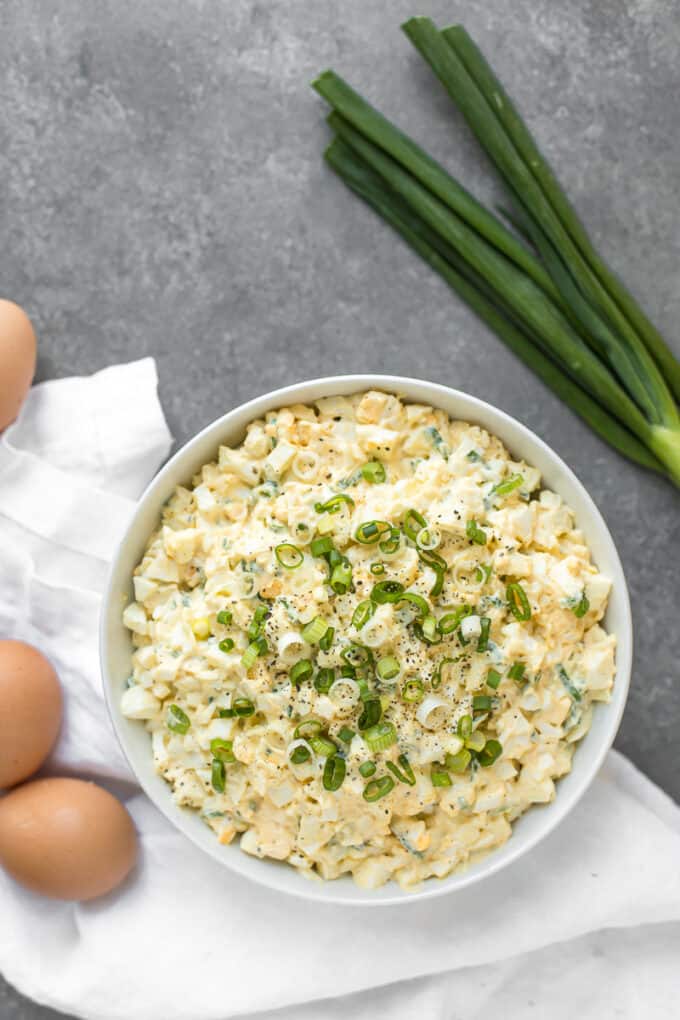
pixel 66 838
pixel 17 360
pixel 30 711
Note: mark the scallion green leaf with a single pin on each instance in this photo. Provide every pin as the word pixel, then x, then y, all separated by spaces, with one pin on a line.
pixel 475 533
pixel 371 532
pixel 289 556
pixel 373 472
pixel 334 504
pixel 367 768
pixel 217 775
pixel 378 788
pixel 177 719
pixel 362 614
pixel 518 601
pixel 314 630
pixel 301 671
pixel 334 772
pixel 388 668
pixel 380 736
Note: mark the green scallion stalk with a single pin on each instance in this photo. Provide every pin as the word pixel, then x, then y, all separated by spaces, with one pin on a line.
pixel 482 703
pixel 483 639
pixel 378 788
pixel 581 607
pixel 371 532
pixel 475 533
pixel 388 668
pixel 387 591
pixel 301 671
pixel 300 754
pixel 321 546
pixel 334 772
pixel 377 569
pixel 370 715
pixel 289 556
pixel 367 768
pixel 490 753
pixel 476 741
pixel 335 504
pixel 243 707
pixel 308 727
pixel 518 601
pixel 413 691
pixel 314 630
pixel 322 745
pixel 413 523
pixel 380 737
pixel 516 671
pixel 508 486
pixel 405 774
pixel 217 775
pixel 419 604
pixel 177 720
pixel 464 728
pixel 257 623
pixel 438 775
pixel 373 472
pixel 345 734
pixel 222 750
pixel 341 577
pixel 324 679
pixel 362 614
pixel 493 679
pixel 255 649
pixel 458 762
pixel 227 645
pixel 224 617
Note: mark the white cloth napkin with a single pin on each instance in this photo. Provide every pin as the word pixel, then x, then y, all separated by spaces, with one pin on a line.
pixel 183 939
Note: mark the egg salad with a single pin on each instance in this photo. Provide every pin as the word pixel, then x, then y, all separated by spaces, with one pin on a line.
pixel 366 640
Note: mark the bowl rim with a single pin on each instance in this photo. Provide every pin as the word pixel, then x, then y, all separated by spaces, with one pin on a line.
pixel 555 811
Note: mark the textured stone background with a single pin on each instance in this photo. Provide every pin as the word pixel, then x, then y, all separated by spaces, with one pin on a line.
pixel 162 192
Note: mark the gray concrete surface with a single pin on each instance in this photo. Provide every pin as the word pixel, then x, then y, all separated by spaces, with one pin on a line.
pixel 162 192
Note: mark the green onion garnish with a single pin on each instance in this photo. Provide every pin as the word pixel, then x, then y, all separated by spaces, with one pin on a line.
pixel 491 751
pixel 314 630
pixel 226 645
pixel 367 769
pixel 428 539
pixel 387 591
pixel 217 775
pixel 508 486
pixel 345 734
pixel 436 680
pixel 380 736
pixel 493 679
pixel 405 774
pixel 373 472
pixel 300 672
pixel 363 613
pixel 412 523
pixel 391 544
pixel 518 601
pixel 177 720
pixel 377 569
pixel 226 713
pixel 516 671
pixel 475 533
pixel 371 532
pixel 413 599
pixel 481 703
pixel 341 577
pixel 327 640
pixel 257 623
pixel 483 639
pixel 452 621
pixel 224 617
pixel 413 691
pixel 388 667
pixel 581 607
pixel 321 546
pixel 253 651
pixel 464 727
pixel 357 655
pixel 300 754
pixel 308 727
pixel 437 564
pixel 324 680
pixel 334 504
pixel 458 762
pixel 438 775
pixel 476 741
pixel 483 573
pixel 334 772
pixel 322 745
pixel 378 788
pixel 289 556
pixel 243 707
pixel 427 629
pixel 222 750
pixel 372 710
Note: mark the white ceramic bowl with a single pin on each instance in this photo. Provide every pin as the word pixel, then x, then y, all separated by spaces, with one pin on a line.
pixel 116 647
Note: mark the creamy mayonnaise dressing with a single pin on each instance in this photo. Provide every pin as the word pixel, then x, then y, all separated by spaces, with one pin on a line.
pixel 462 665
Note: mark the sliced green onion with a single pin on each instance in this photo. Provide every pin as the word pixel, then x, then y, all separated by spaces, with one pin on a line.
pixel 391 544
pixel 363 613
pixel 373 472
pixel 334 772
pixel 581 607
pixel 243 707
pixel 381 736
pixel 377 569
pixel 490 753
pixel 177 720
pixel 405 774
pixel 300 754
pixel 437 675
pixel 341 577
pixel 322 745
pixel 508 486
pixel 483 573
pixel 516 671
pixel 458 762
pixel 327 640
pixel 482 703
pixel 518 601
pixel 421 605
pixel 224 617
pixel 222 750
pixel 300 672
pixel 428 539
pixel 324 680
pixel 217 775
pixel 437 564
pixel 226 645
pixel 475 533
pixel 226 713
pixel 388 667
pixel 289 556
pixel 568 683
pixel 345 734
pixel 493 679
pixel 464 727
pixel 308 727
pixel 412 523
pixel 371 532
pixel 321 546
pixel 334 504
pixel 357 655
pixel 476 741
pixel 428 629
pixel 370 716
pixel 483 639
pixel 367 769
pixel 314 630
pixel 257 622
pixel 253 651
pixel 452 621
pixel 387 591
pixel 378 788
pixel 413 691
pixel 438 775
